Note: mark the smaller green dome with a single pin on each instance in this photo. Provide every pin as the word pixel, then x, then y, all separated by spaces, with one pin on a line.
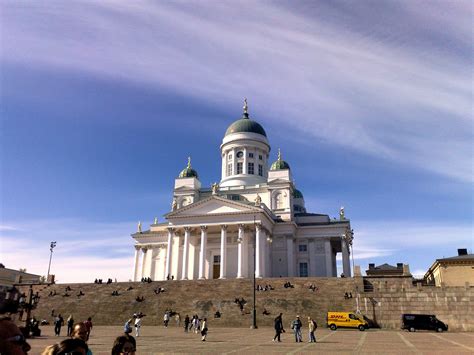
pixel 188 171
pixel 280 164
pixel 297 194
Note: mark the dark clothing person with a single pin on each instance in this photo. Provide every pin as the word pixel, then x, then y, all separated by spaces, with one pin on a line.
pixel 58 323
pixel 278 327
pixel 70 324
pixel 186 323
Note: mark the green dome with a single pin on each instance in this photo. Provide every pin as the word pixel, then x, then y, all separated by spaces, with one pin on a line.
pixel 297 194
pixel 280 164
pixel 245 124
pixel 188 171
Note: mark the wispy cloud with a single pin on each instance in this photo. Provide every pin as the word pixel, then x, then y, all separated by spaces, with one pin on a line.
pixel 380 93
pixel 85 250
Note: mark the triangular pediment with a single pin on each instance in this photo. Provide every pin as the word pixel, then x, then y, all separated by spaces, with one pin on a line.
pixel 213 206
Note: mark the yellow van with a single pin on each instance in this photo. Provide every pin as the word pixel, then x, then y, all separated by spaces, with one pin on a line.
pixel 345 320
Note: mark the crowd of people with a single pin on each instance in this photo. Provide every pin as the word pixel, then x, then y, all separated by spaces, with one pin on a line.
pixel 296 326
pixel 265 288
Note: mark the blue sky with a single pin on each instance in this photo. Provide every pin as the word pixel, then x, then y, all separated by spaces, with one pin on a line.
pixel 102 102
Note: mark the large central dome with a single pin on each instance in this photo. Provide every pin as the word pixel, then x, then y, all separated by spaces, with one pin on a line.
pixel 245 124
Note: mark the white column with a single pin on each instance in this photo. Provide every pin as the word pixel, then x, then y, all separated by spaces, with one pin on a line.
pixel 168 253
pixel 144 251
pixel 202 254
pixel 312 258
pixel 137 263
pixel 240 254
pixel 234 162
pixel 290 254
pixel 244 168
pixel 187 234
pixel 346 264
pixel 223 252
pixel 258 251
pixel 151 261
pixel 328 253
pixel 268 259
pixel 245 251
pixel 263 252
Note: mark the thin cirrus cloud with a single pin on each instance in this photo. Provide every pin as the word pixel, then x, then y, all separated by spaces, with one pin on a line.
pixel 385 94
pixel 84 249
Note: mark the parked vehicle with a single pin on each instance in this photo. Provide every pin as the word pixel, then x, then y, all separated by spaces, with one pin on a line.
pixel 414 322
pixel 346 320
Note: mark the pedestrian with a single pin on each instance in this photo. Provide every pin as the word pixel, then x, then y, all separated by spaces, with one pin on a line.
pixel 58 323
pixel 127 328
pixel 186 323
pixel 278 327
pixel 70 324
pixel 204 329
pixel 12 340
pixel 177 318
pixel 124 344
pixel 79 331
pixel 138 325
pixel 88 324
pixel 197 324
pixel 166 319
pixel 67 346
pixel 296 326
pixel 312 327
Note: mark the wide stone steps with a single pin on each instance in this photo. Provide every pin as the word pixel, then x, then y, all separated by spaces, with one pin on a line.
pixel 202 297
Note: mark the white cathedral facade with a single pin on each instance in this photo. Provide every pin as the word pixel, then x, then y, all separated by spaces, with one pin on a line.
pixel 213 232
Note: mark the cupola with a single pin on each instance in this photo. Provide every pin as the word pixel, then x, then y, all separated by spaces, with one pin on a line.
pixel 188 171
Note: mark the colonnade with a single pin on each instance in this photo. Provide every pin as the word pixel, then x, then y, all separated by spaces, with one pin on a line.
pixel 262 251
pixel 248 234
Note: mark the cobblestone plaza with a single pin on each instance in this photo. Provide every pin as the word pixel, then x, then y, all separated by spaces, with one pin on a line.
pixel 156 340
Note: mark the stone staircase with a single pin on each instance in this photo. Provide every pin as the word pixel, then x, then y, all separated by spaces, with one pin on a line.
pixel 199 297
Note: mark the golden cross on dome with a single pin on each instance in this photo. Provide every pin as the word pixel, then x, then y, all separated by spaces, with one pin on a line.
pixel 189 162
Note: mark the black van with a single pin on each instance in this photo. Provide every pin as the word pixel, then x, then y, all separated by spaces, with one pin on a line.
pixel 414 322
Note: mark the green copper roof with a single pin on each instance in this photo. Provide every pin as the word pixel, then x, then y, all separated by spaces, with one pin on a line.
pixel 245 124
pixel 297 194
pixel 188 171
pixel 280 164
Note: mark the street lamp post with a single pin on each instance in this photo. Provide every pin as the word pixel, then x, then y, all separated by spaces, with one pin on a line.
pixel 51 247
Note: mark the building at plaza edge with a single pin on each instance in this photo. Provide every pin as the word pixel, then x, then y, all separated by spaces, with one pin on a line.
pixel 212 232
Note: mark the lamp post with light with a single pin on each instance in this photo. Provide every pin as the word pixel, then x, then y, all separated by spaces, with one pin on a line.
pixel 51 247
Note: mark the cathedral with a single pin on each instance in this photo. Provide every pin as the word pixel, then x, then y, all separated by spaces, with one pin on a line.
pixel 254 219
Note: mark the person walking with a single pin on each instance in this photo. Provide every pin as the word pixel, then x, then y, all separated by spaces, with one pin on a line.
pixel 296 326
pixel 88 324
pixel 204 329
pixel 278 327
pixel 127 328
pixel 186 323
pixel 177 318
pixel 195 323
pixel 138 325
pixel 311 328
pixel 70 325
pixel 58 323
pixel 166 319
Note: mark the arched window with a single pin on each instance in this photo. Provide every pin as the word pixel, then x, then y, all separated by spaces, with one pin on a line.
pixel 279 201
